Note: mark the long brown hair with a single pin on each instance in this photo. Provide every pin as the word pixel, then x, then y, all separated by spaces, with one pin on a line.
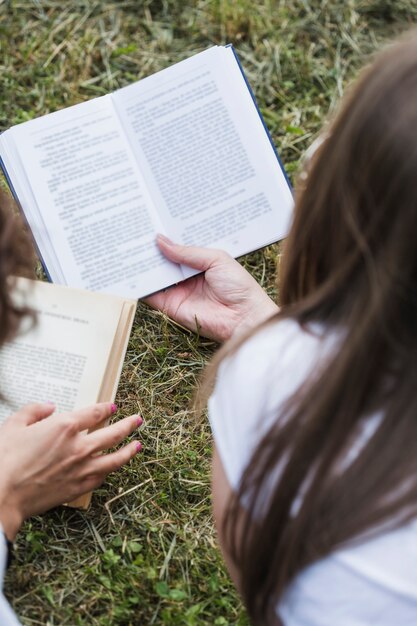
pixel 350 263
pixel 17 258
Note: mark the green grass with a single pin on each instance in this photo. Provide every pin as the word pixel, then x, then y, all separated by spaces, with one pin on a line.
pixel 145 552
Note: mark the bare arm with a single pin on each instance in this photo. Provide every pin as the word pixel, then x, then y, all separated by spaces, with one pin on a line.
pixel 222 494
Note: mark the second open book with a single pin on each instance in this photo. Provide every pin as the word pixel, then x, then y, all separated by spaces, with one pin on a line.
pixel 72 356
pixel 183 152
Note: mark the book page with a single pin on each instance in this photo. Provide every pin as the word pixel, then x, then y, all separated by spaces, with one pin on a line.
pixel 92 199
pixel 63 359
pixel 17 179
pixel 208 161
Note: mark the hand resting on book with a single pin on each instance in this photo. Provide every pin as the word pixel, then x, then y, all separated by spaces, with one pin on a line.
pixel 222 301
pixel 47 459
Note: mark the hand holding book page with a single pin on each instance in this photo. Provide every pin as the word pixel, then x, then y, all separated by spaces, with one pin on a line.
pixel 183 152
pixel 223 302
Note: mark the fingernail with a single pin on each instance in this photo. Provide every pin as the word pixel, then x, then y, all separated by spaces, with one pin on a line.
pixel 139 421
pixel 165 239
pixel 50 402
pixel 113 408
pixel 138 447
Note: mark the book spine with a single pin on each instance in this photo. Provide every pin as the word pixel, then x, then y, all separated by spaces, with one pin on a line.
pixel 260 114
pixel 15 196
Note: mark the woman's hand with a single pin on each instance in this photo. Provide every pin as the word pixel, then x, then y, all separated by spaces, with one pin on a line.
pixel 46 459
pixel 223 301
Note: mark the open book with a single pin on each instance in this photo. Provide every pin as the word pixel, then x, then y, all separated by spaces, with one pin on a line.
pixel 183 152
pixel 74 354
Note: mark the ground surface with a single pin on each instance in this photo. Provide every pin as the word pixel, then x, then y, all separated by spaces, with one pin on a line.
pixel 145 553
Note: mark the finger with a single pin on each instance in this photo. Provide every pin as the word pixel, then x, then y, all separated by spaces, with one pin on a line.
pixel 82 487
pixel 198 258
pixel 112 435
pixel 32 413
pixel 157 300
pixel 106 463
pixel 91 417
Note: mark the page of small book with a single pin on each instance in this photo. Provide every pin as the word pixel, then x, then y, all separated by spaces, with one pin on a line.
pixel 64 357
pixel 183 152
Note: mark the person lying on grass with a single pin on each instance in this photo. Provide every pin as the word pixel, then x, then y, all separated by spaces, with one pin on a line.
pixel 314 411
pixel 45 459
pixel 313 406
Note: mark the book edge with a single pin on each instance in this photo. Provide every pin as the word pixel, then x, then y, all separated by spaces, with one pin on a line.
pixel 230 46
pixel 121 337
pixel 16 198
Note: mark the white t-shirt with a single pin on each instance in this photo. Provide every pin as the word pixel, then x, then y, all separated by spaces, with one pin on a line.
pixel 374 582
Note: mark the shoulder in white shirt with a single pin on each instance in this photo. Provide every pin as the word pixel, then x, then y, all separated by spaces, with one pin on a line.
pixel 374 582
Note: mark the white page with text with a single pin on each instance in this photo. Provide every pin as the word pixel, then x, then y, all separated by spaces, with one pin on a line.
pixel 64 357
pixel 209 163
pixel 93 200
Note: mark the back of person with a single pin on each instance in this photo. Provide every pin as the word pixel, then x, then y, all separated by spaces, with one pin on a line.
pixel 371 582
pixel 315 415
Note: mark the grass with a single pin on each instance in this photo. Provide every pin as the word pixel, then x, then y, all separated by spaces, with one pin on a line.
pixel 145 552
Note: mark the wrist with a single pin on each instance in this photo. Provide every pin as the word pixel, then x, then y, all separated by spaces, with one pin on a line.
pixel 267 309
pixel 263 312
pixel 10 518
pixel 258 314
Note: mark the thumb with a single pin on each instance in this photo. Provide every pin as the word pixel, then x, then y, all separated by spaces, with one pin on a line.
pixel 32 413
pixel 197 258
